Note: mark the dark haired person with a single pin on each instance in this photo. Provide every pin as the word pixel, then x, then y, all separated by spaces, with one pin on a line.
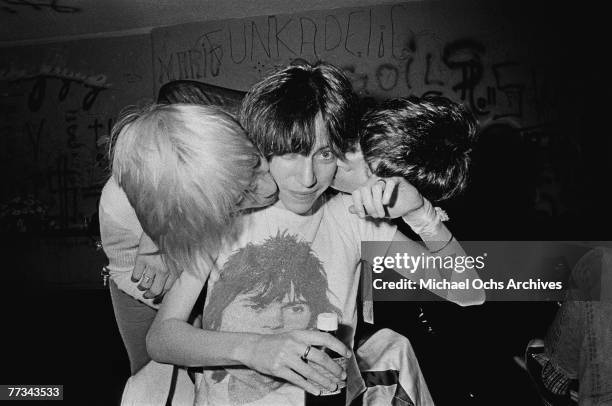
pixel 303 118
pixel 425 141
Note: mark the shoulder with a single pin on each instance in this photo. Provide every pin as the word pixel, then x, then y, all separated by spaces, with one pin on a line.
pixel 114 206
pixel 336 210
pixel 367 229
pixel 113 195
pixel 339 202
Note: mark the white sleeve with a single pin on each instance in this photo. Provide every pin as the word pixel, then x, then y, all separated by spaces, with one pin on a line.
pixel 120 232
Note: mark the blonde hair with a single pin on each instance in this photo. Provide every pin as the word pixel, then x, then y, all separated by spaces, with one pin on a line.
pixel 183 168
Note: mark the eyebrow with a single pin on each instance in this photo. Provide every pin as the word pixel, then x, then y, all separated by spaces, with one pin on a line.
pixel 327 145
pixel 297 301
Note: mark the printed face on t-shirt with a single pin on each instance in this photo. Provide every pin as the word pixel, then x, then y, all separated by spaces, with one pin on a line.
pixel 301 179
pixel 270 287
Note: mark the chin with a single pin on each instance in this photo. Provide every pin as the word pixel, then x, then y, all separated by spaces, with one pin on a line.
pixel 298 208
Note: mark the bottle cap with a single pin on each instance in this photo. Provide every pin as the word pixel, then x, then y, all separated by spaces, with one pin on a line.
pixel 327 321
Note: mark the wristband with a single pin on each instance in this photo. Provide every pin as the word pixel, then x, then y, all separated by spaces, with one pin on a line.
pixel 444 246
pixel 426 219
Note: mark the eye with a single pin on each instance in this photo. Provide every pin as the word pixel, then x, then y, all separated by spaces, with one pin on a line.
pixel 239 199
pixel 254 306
pixel 248 193
pixel 326 155
pixel 295 308
pixel 246 196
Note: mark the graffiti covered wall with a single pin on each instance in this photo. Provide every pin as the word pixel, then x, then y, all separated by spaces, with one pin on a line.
pixel 58 106
pixel 477 55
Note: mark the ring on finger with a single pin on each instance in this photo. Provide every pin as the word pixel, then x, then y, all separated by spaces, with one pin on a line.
pixel 306 352
pixel 146 279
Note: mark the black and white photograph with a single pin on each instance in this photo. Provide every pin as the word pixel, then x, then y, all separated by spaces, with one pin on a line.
pixel 300 203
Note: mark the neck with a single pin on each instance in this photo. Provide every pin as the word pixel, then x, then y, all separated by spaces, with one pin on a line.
pixel 279 205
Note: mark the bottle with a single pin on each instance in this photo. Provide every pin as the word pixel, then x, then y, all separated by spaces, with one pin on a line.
pixel 328 323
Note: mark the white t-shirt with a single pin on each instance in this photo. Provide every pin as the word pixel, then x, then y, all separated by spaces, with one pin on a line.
pixel 281 272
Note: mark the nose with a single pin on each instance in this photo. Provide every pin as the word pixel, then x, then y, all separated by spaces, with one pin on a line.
pixel 272 317
pixel 307 175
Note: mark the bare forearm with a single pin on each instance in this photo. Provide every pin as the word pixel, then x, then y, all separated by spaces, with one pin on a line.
pixel 174 341
pixel 463 297
pixel 469 296
pixel 441 243
pixel 437 238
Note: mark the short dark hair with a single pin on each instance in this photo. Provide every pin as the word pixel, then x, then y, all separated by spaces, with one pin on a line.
pixel 279 112
pixel 426 141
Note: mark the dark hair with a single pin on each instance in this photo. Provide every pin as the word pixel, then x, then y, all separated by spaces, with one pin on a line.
pixel 426 141
pixel 192 92
pixel 279 112
pixel 269 271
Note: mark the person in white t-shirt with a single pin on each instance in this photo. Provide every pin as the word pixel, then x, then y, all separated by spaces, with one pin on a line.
pixel 302 118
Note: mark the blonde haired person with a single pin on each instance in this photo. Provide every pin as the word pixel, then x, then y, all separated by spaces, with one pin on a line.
pixel 180 173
